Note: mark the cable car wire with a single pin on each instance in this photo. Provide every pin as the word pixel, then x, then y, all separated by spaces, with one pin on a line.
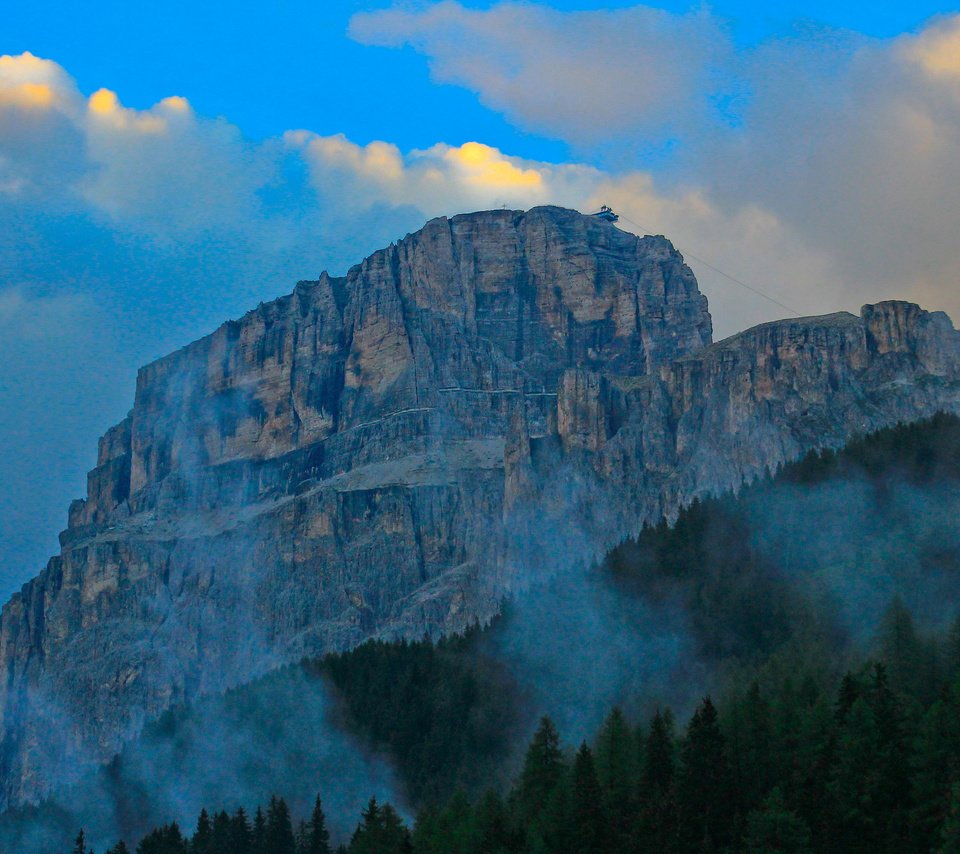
pixel 733 279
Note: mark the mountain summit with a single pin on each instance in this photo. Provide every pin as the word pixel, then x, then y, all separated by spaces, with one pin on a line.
pixel 497 397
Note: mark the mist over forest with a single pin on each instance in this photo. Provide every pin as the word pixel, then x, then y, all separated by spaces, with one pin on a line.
pixel 817 608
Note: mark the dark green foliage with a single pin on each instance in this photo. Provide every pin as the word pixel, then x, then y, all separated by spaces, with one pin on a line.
pixel 381 831
pixel 442 710
pixel 775 829
pixel 950 834
pixel 617 769
pixel 796 766
pixel 704 789
pixel 590 829
pixel 164 840
pixel 543 769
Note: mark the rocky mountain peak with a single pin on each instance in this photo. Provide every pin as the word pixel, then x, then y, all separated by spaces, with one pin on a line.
pixel 384 454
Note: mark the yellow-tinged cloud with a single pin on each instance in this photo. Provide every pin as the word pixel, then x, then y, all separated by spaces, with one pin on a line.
pixel 175 103
pixel 487 166
pixel 105 105
pixel 28 96
pixel 442 178
pixel 30 83
pixel 104 102
pixel 937 49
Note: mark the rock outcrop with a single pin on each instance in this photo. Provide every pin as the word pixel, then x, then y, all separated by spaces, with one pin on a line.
pixel 390 452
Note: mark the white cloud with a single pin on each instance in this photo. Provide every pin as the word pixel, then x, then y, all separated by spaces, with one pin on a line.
pixel 582 76
pixel 441 179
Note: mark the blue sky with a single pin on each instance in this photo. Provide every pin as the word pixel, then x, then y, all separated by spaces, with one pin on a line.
pixel 274 66
pixel 165 166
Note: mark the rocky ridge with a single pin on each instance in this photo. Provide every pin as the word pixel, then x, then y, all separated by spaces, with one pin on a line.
pixel 388 453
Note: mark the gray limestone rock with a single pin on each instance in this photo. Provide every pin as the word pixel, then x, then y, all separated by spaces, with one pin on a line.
pixel 492 399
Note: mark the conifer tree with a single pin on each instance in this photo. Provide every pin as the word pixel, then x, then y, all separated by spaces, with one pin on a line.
pixel 659 752
pixel 241 834
pixel 617 771
pixel 854 782
pixel 704 788
pixel 318 837
pixel 259 833
pixel 200 844
pixel 279 829
pixel 848 694
pixel 542 770
pixel 588 809
pixel 381 831
pixel 221 834
pixel 79 844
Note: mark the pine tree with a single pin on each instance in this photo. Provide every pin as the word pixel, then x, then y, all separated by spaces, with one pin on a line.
pixel 119 848
pixel 200 844
pixel 705 795
pixel 588 811
pixel 910 663
pixel 755 754
pixel 848 694
pixel 221 835
pixel 241 835
pixel 318 838
pixel 659 752
pixel 259 833
pixel 893 781
pixel 164 840
pixel 660 815
pixel 542 770
pixel 367 836
pixel 279 829
pixel 854 782
pixel 617 771
pixel 953 650
pixel 937 761
pixel 381 831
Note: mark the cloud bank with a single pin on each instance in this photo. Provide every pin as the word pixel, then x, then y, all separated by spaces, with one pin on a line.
pixel 582 76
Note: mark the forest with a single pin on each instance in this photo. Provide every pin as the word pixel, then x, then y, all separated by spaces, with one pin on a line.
pixel 815 705
pixel 871 765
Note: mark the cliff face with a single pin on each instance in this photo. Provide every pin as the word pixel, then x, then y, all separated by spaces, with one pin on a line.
pixel 388 453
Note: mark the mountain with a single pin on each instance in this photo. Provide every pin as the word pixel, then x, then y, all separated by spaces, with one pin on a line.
pixel 777 592
pixel 498 397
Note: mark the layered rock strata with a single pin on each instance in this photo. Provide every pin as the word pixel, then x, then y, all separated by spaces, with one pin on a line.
pixel 388 453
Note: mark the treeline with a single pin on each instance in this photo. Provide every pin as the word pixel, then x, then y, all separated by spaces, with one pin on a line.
pixel 869 765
